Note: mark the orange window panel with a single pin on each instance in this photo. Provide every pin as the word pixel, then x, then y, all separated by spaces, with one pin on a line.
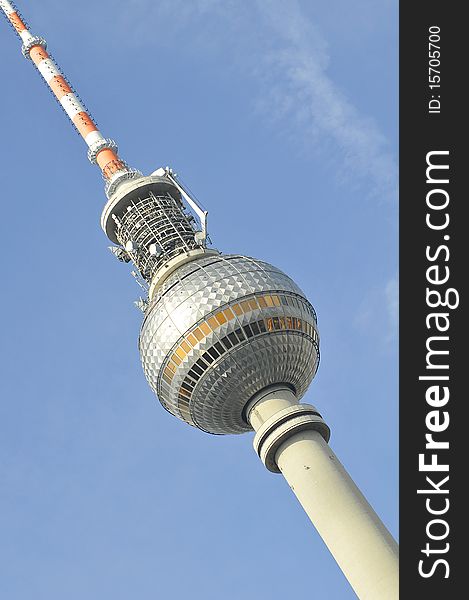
pixel 214 324
pixel 205 328
pixel 228 314
pixel 180 352
pixel 245 306
pixel 237 309
pixel 167 379
pixel 276 300
pixel 282 322
pixel 220 317
pixel 269 301
pixel 186 347
pixel 253 304
pixel 192 340
pixel 183 392
pixel 198 334
pixel 176 360
pixel 262 302
pixel 270 324
pixel 169 372
pixel 289 323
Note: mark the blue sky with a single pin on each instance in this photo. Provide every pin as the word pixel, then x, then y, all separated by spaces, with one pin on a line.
pixel 282 117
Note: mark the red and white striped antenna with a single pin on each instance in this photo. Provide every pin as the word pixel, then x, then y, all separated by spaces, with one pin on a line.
pixel 101 151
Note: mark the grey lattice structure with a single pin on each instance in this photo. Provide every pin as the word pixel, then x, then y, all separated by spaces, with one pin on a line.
pixel 150 223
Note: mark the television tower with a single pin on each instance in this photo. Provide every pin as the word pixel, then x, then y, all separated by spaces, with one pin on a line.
pixel 228 343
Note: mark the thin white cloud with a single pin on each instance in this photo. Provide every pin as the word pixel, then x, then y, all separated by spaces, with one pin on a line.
pixel 286 59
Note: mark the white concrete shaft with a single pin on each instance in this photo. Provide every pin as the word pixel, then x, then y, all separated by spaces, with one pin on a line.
pixel 360 543
pixel 268 404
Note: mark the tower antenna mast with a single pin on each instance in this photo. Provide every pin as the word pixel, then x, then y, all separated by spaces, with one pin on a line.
pixel 101 151
pixel 228 343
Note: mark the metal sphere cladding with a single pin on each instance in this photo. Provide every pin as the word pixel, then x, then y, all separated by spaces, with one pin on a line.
pixel 219 330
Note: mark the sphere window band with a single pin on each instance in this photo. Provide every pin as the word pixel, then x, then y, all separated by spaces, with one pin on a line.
pixel 220 318
pixel 286 323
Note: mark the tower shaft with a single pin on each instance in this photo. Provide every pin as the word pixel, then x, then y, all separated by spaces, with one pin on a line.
pixel 290 439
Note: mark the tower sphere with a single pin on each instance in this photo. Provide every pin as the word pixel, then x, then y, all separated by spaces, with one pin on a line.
pixel 220 329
